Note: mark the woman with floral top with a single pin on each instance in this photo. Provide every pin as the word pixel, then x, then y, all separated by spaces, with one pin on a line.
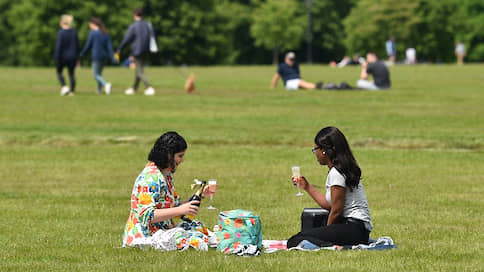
pixel 154 201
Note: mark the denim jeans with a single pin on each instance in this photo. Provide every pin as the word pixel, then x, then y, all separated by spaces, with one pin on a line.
pixel 97 69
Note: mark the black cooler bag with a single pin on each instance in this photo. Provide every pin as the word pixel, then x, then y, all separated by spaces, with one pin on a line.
pixel 314 218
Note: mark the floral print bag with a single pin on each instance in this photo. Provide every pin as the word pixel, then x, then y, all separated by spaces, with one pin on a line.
pixel 238 227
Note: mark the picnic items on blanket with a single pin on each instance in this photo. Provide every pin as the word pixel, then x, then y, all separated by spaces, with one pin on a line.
pixel 271 246
pixel 182 237
pixel 313 218
pixel 197 196
pixel 247 251
pixel 382 243
pixel 238 227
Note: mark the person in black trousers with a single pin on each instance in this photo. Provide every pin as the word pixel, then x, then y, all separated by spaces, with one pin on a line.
pixel 66 53
pixel 349 221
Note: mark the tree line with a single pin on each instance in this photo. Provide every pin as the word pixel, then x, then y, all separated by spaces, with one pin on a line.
pixel 206 32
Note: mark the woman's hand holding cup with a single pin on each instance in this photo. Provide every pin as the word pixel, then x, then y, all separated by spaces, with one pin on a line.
pixel 209 190
pixel 303 183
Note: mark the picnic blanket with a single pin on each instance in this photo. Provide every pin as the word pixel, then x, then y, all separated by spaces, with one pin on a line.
pixel 185 235
pixel 382 243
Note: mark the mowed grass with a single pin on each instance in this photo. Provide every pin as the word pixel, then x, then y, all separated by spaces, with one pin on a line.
pixel 67 164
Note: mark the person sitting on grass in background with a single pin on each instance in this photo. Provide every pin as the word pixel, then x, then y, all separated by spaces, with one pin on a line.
pixel 66 53
pixel 154 200
pixel 138 34
pixel 289 72
pixel 377 68
pixel 349 221
pixel 102 49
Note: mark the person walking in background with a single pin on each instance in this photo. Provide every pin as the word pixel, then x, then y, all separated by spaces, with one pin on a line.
pixel 138 34
pixel 289 72
pixel 379 71
pixel 100 43
pixel 391 48
pixel 66 53
pixel 460 52
pixel 411 56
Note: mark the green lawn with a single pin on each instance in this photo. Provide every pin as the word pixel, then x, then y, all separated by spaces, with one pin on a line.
pixel 67 164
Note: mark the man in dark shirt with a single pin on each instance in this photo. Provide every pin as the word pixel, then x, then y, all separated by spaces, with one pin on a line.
pixel 138 34
pixel 289 72
pixel 379 71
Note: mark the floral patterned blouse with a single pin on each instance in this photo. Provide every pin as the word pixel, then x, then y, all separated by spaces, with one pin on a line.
pixel 152 190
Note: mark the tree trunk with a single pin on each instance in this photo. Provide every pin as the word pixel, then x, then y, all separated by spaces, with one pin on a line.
pixel 275 55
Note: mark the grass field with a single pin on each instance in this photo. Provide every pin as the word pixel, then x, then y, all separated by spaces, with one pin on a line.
pixel 67 164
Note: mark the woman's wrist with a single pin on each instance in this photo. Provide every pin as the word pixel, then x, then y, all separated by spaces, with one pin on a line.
pixel 177 211
pixel 308 185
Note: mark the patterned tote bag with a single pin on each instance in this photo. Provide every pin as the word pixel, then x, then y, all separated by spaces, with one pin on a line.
pixel 238 227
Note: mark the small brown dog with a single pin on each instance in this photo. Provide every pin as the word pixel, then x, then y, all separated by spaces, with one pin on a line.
pixel 190 84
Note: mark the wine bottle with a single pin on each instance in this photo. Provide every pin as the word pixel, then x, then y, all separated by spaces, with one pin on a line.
pixel 197 196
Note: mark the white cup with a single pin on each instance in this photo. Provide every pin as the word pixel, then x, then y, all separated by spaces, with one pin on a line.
pixel 296 171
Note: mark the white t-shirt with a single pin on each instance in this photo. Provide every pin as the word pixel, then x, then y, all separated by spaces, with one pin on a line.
pixel 356 205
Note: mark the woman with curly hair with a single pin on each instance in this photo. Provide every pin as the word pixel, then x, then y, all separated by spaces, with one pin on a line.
pixel 154 200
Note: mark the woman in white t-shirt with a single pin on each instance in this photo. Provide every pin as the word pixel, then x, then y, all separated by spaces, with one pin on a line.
pixel 349 221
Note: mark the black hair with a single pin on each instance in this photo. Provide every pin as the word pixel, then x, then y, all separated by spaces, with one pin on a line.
pixel 138 12
pixel 336 147
pixel 164 149
pixel 97 21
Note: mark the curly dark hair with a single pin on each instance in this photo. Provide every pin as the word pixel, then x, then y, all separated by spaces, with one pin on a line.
pixel 334 143
pixel 164 149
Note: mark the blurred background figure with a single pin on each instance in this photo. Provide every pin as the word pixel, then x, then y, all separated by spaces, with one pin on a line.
pixel 391 48
pixel 377 68
pixel 190 84
pixel 66 53
pixel 460 52
pixel 129 63
pixel 356 60
pixel 289 72
pixel 138 35
pixel 100 43
pixel 411 56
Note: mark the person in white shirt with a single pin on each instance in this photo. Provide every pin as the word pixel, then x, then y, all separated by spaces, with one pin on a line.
pixel 349 221
pixel 460 52
pixel 411 56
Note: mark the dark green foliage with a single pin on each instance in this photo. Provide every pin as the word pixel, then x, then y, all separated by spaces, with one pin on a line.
pixel 431 26
pixel 209 32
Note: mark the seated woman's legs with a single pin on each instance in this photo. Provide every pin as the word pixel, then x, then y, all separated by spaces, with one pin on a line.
pixel 366 85
pixel 337 234
pixel 306 85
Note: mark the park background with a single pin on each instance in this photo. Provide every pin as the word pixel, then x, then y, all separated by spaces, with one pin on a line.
pixel 210 32
pixel 68 164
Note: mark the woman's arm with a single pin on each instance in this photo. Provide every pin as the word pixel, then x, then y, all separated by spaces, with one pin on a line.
pixel 313 192
pixel 274 80
pixel 109 48
pixel 58 47
pixel 338 201
pixel 364 73
pixel 87 46
pixel 168 213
